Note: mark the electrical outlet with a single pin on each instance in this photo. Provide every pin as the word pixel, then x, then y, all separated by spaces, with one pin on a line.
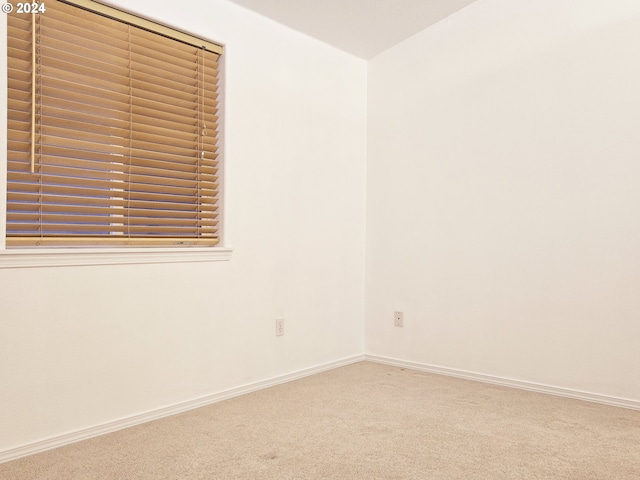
pixel 279 327
pixel 398 319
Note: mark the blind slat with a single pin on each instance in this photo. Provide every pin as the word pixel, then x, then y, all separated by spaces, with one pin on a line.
pixel 112 227
pixel 102 211
pixel 28 220
pixel 85 195
pixel 24 198
pixel 20 162
pixel 110 241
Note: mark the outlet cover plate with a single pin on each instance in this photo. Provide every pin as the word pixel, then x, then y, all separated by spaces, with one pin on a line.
pixel 279 327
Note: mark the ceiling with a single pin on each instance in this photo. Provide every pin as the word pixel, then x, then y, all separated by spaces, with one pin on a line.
pixel 364 28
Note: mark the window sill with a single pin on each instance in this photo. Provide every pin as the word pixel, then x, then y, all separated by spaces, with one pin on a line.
pixel 64 257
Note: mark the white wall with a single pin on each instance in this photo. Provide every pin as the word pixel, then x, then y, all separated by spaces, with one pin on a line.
pixel 503 194
pixel 82 346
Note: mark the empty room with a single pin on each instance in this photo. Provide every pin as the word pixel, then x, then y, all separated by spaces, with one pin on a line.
pixel 272 239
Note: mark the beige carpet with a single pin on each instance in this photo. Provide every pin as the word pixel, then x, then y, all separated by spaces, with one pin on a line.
pixel 363 421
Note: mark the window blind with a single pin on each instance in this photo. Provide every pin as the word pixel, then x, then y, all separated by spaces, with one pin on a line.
pixel 112 132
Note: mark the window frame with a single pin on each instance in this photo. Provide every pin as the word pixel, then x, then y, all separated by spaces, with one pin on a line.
pixel 23 256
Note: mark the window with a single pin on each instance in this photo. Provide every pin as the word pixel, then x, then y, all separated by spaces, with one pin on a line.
pixel 112 131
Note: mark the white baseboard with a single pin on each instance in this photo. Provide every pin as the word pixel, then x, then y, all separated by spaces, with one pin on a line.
pixel 84 434
pixel 508 382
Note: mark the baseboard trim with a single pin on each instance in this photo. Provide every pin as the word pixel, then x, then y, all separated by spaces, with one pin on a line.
pixel 85 434
pixel 507 382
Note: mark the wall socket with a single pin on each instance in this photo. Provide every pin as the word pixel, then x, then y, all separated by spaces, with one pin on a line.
pixel 398 319
pixel 279 327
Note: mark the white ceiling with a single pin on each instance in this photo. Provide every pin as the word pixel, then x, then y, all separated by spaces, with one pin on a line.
pixel 361 27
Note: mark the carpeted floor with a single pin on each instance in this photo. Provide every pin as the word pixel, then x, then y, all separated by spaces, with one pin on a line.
pixel 363 421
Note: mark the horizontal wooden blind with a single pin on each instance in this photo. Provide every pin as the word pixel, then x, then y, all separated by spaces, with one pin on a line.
pixel 112 133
